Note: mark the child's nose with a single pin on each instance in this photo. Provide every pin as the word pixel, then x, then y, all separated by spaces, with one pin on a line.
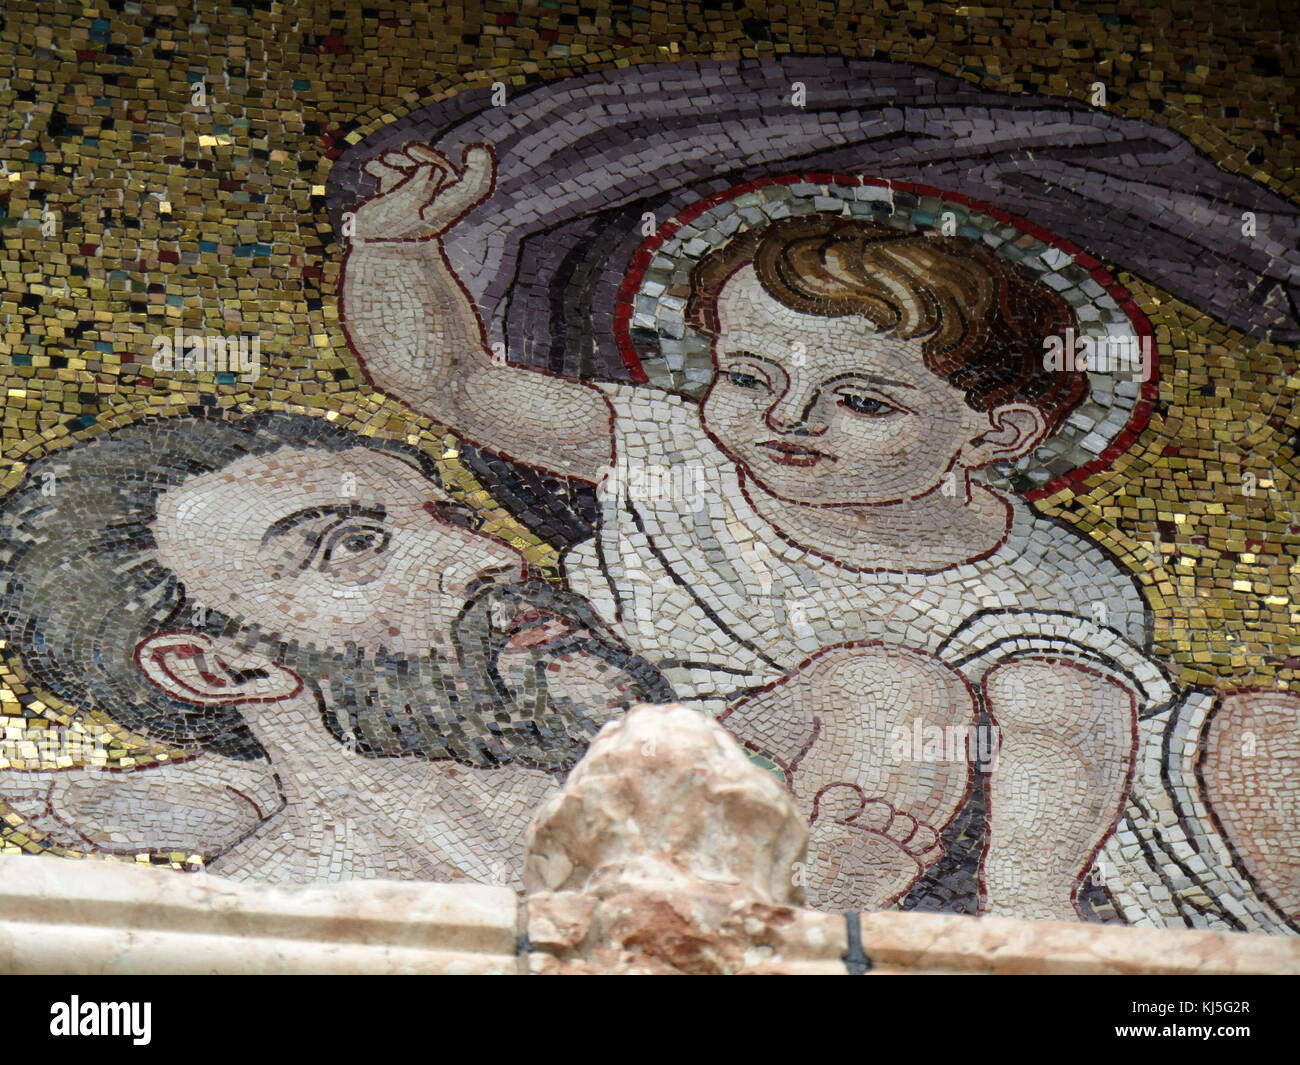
pixel 794 412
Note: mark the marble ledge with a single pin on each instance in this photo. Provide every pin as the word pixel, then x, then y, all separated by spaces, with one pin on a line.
pixel 95 917
pixel 66 917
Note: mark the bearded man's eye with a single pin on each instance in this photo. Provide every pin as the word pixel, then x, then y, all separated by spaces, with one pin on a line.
pixel 349 543
pixel 745 380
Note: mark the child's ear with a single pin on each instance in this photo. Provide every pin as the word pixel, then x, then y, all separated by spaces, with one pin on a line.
pixel 195 668
pixel 1015 430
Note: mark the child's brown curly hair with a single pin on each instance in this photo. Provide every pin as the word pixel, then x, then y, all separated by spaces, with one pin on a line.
pixel 982 321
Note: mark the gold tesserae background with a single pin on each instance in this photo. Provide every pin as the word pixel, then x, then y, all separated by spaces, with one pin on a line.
pixel 129 210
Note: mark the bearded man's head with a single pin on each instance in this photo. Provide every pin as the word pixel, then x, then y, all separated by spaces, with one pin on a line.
pixel 177 572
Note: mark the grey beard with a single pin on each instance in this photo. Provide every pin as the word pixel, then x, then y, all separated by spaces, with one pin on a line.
pixel 454 703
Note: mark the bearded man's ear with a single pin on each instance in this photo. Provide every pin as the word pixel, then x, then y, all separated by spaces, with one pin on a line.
pixel 195 668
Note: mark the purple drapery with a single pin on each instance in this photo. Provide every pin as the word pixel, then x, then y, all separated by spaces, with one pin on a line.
pixel 580 160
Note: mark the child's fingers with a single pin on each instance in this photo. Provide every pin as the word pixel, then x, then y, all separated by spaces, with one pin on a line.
pixel 387 176
pixel 473 185
pixel 478 167
pixel 418 194
pixel 422 153
pixel 475 180
pixel 381 170
pixel 397 160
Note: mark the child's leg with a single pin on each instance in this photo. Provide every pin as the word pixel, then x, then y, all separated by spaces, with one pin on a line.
pixel 1250 773
pixel 1067 741
pixel 873 741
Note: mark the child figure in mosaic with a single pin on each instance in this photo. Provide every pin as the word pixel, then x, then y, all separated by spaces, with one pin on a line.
pixel 838 576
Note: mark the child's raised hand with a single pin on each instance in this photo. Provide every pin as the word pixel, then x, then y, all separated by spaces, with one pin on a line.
pixel 422 193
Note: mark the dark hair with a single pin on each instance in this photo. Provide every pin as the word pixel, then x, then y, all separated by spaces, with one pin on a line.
pixel 80 580
pixel 982 320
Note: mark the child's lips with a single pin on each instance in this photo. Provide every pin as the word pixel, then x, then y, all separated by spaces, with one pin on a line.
pixel 788 454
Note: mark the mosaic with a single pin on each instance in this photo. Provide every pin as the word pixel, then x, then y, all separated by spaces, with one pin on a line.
pixel 394 397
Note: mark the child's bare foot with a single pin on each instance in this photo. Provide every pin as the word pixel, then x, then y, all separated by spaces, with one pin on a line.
pixel 846 729
pixel 1250 772
pixel 862 853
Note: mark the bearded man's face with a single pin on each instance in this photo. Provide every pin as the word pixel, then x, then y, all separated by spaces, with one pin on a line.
pixel 355 572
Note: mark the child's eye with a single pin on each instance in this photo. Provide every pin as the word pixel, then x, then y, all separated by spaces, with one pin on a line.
pixel 745 380
pixel 865 404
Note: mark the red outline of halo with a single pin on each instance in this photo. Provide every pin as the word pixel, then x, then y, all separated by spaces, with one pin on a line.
pixel 1150 390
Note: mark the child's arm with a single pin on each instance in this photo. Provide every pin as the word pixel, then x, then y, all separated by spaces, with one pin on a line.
pixel 1067 741
pixel 420 338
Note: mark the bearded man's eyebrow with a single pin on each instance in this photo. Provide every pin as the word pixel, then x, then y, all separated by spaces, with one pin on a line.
pixel 340 510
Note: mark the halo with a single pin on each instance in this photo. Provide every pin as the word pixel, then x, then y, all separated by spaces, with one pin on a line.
pixel 659 348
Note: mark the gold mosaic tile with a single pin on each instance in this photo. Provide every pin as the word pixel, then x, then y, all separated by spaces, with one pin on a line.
pixel 429 383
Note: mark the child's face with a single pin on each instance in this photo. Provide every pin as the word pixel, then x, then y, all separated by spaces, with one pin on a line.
pixel 827 410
